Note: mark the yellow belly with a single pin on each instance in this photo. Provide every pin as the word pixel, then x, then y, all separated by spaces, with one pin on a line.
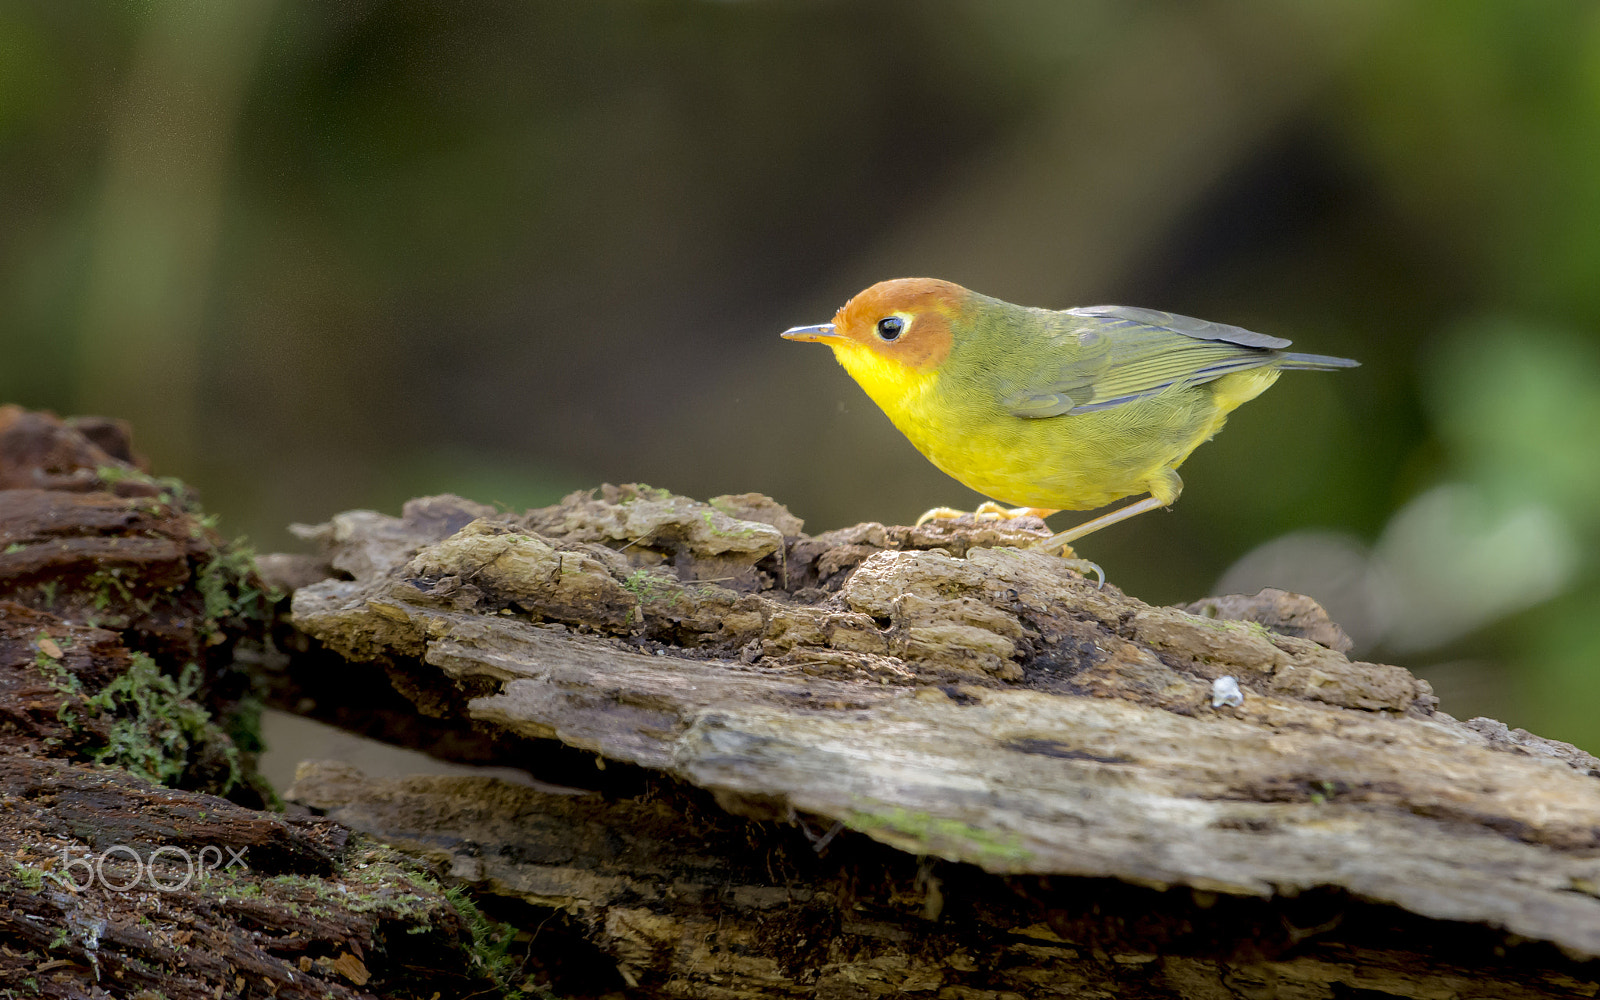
pixel 1074 462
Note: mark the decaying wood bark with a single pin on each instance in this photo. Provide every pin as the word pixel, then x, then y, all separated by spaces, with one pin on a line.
pixel 684 900
pixel 953 695
pixel 115 887
pixel 120 608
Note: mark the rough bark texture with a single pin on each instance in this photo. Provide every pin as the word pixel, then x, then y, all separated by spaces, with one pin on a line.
pixel 684 900
pixel 88 536
pixel 951 697
pixel 120 610
pixel 114 887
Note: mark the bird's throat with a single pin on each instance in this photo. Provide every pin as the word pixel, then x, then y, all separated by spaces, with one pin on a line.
pixel 896 388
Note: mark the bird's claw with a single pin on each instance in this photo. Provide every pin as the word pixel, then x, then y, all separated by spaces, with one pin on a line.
pixel 987 511
pixel 940 514
pixel 1081 565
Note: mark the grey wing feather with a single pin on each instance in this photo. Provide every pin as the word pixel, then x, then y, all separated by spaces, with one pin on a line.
pixel 1199 329
pixel 1123 353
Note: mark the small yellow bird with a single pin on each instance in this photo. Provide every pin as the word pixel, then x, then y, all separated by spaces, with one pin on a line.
pixel 1050 409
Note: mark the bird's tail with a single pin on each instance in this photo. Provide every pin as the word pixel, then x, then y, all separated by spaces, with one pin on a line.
pixel 1316 362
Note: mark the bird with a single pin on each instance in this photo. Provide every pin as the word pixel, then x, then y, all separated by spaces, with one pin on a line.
pixel 1050 410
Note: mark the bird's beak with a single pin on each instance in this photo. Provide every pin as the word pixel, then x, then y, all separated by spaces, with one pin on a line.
pixel 822 333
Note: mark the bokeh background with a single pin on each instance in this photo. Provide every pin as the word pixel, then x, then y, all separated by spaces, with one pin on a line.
pixel 327 255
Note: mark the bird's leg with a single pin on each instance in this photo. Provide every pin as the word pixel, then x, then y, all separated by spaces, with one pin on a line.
pixel 987 509
pixel 1162 493
pixel 1104 520
pixel 1059 542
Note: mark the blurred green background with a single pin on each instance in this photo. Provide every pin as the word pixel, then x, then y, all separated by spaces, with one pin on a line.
pixel 333 255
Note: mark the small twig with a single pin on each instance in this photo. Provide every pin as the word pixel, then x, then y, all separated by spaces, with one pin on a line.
pixel 819 842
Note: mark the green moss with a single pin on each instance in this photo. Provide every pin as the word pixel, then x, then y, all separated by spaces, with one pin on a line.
pixel 1234 625
pixel 14 548
pixel 650 586
pixel 931 834
pixel 59 676
pixel 1259 630
pixel 711 525
pixel 106 587
pixel 31 878
pixel 392 888
pixel 157 726
pixel 382 879
pixel 226 579
pixel 170 491
pixel 243 724
pixel 641 491
pixel 64 681
pixel 227 585
pixel 1322 791
pixel 490 950
pixel 106 581
pixel 240 890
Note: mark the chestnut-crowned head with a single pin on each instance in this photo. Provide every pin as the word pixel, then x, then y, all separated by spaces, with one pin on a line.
pixel 906 321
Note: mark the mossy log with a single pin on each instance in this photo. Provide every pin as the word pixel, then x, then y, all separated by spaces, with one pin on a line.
pixel 121 707
pixel 945 707
pixel 89 536
pixel 115 887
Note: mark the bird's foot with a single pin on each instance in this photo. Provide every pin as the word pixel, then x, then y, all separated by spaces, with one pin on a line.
pixel 991 511
pixel 1084 567
pixel 987 511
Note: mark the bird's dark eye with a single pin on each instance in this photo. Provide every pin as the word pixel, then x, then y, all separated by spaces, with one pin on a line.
pixel 890 326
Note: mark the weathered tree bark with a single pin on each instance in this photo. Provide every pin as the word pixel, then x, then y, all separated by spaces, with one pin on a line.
pixel 107 561
pixel 119 875
pixel 938 692
pixel 688 901
pixel 114 887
